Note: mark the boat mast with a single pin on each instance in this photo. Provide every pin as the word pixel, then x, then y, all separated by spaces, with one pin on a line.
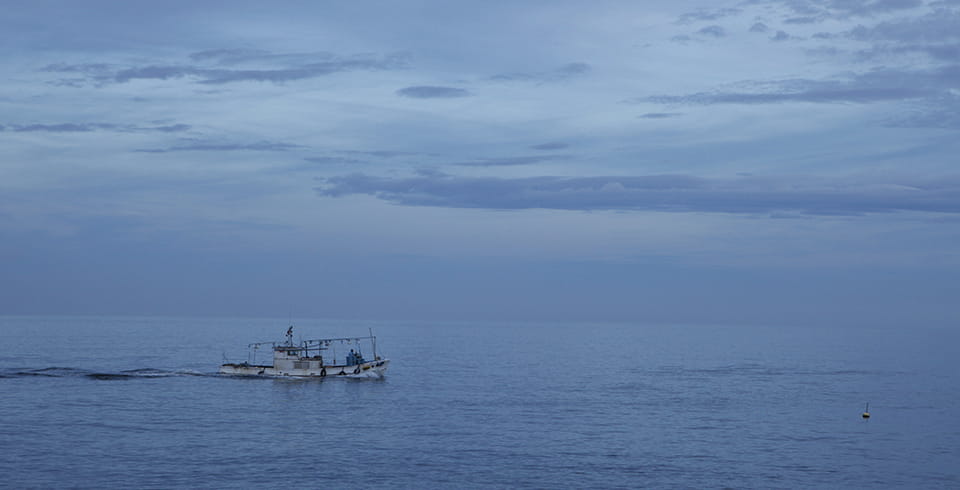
pixel 373 340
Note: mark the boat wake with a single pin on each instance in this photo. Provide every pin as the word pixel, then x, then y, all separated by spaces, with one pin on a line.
pixel 65 372
pixel 145 373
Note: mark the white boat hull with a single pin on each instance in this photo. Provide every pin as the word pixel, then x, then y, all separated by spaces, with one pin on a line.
pixel 369 369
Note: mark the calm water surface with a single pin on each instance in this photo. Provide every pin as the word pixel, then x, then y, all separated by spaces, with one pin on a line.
pixel 134 403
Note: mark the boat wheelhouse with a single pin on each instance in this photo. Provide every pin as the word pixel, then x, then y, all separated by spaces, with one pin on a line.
pixel 313 358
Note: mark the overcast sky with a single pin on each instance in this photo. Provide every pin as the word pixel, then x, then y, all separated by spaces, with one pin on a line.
pixel 778 162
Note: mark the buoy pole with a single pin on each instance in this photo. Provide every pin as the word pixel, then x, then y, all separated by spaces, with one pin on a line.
pixel 866 412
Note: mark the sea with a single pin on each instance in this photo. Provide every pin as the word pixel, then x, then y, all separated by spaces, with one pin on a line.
pixel 131 402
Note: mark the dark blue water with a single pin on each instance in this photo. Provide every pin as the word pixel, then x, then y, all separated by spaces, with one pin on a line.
pixel 135 403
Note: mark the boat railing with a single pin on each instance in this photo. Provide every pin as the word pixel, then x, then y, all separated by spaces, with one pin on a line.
pixel 312 342
pixel 317 345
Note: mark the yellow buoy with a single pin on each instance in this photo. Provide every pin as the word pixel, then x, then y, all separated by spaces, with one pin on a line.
pixel 866 412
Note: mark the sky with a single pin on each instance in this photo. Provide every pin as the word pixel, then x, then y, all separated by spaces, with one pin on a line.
pixel 783 162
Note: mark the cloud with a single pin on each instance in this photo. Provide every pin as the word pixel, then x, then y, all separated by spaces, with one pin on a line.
pixel 668 193
pixel 561 73
pixel 173 128
pixel 554 145
pixel 842 9
pixel 709 31
pixel 380 153
pixel 940 112
pixel 432 92
pixel 825 36
pixel 780 36
pixel 715 31
pixel 510 161
pixel 659 115
pixel 877 85
pixel 62 127
pixel 221 76
pixel 935 27
pixel 90 127
pixel 231 54
pixel 940 52
pixel 707 15
pixel 156 73
pixel 802 20
pixel 577 68
pixel 936 34
pixel 333 160
pixel 101 73
pixel 238 56
pixel 258 146
pixel 87 71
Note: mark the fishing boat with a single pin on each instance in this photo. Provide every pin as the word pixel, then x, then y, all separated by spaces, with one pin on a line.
pixel 312 358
